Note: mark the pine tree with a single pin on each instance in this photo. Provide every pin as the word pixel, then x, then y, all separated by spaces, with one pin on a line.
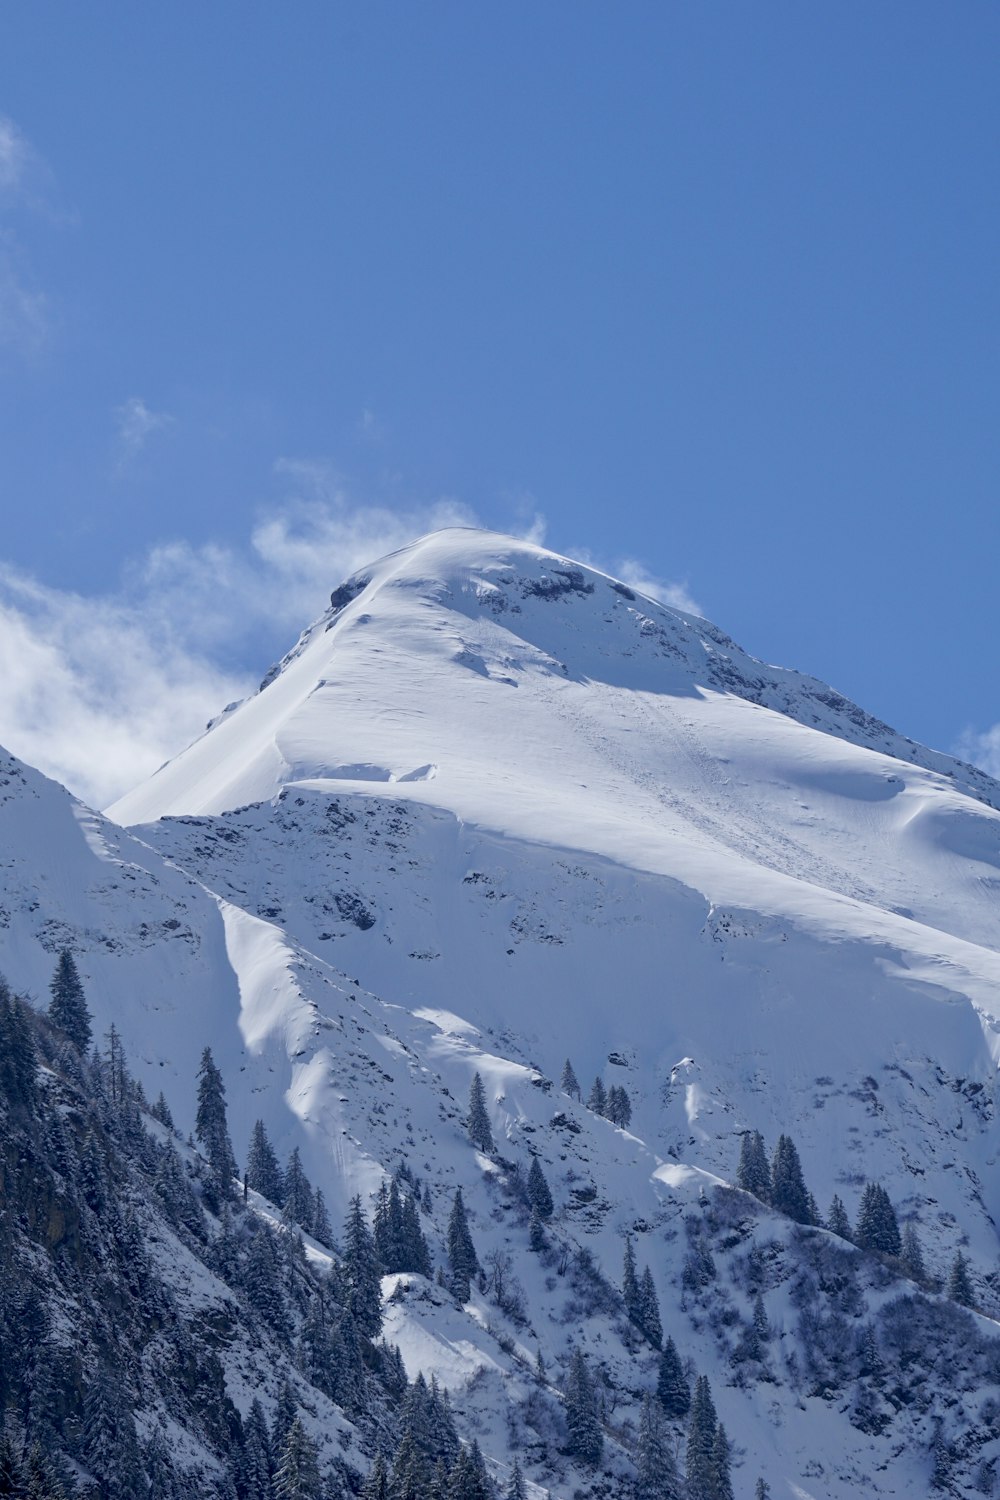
pixel 480 1130
pixel 630 1284
pixel 649 1309
pixel 597 1099
pixel 878 1229
pixel 161 1112
pixel 298 1204
pixel 619 1106
pixel 912 1254
pixel 762 1490
pixel 656 1477
pixel 960 1283
pixel 672 1389
pixel 263 1171
pixel 298 1470
pixel 210 1124
pixel 699 1458
pixel 362 1272
pixel 722 1464
pixel 788 1190
pixel 568 1082
pixel 516 1489
pixel 753 1174
pixel 262 1281
pixel 68 1006
pixel 321 1227
pixel 376 1486
pixel 18 1057
pixel 417 1255
pixel 461 1252
pixel 539 1195
pixel 257 1454
pixel 114 1065
pixel 586 1441
pixel 468 1479
pixel 837 1221
pixel 536 1233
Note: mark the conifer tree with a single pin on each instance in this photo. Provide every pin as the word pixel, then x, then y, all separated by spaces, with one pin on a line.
pixel 161 1112
pixel 630 1284
pixel 298 1470
pixel 376 1486
pixel 753 1174
pixel 516 1489
pixel 362 1272
pixel 597 1099
pixel 837 1221
pixel 417 1254
pixel 18 1056
pixel 722 1463
pixel 877 1229
pixel 539 1195
pixel 298 1204
pixel 762 1490
pixel 586 1440
pixel 568 1083
pixel 468 1479
pixel 912 1254
pixel 788 1189
pixel 263 1171
pixel 480 1130
pixel 959 1282
pixel 619 1106
pixel 649 1309
pixel 699 1458
pixel 672 1389
pixel 656 1477
pixel 210 1124
pixel 462 1256
pixel 536 1233
pixel 321 1227
pixel 68 1006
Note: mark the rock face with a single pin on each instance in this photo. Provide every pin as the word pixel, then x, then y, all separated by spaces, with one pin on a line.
pixel 495 808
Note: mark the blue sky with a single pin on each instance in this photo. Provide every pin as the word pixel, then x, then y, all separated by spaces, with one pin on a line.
pixel 708 291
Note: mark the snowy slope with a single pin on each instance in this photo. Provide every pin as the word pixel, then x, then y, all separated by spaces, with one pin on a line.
pixel 495 808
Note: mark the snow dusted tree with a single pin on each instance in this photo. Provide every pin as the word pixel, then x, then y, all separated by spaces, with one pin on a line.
pixel 672 1389
pixel 515 1489
pixel 480 1130
pixel 753 1174
pixel 109 1440
pixel 362 1272
pixel 630 1284
pixel 417 1255
pixel 699 1457
pixel 837 1221
pixel 656 1476
pixel 539 1195
pixel 263 1171
pixel 536 1233
pixel 960 1283
pixel 762 1490
pixel 878 1228
pixel 619 1106
pixel 321 1227
pixel 210 1124
pixel 161 1111
pixel 462 1256
pixel 586 1440
pixel 68 1006
pixel 18 1057
pixel 568 1083
pixel 468 1479
pixel 649 1309
pixel 912 1253
pixel 376 1486
pixel 299 1203
pixel 722 1464
pixel 597 1099
pixel 788 1189
pixel 298 1470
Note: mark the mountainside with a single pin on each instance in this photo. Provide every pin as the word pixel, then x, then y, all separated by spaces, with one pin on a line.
pixel 495 808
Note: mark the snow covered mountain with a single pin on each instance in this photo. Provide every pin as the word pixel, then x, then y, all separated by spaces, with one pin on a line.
pixel 496 808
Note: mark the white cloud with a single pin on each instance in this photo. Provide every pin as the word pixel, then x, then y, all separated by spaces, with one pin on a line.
pixel 981 748
pixel 15 155
pixel 136 425
pixel 637 576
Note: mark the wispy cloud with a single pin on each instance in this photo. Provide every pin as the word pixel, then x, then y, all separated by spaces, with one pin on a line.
pixel 136 423
pixel 981 748
pixel 15 156
pixel 674 593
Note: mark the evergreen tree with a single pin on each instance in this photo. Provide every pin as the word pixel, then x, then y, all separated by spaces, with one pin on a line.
pixel 376 1486
pixel 263 1171
pixel 536 1233
pixel 18 1057
pixel 912 1253
pixel 115 1069
pixel 257 1454
pixel 586 1441
pixel 959 1282
pixel 298 1470
pixel 411 1471
pixel 362 1272
pixel 68 1006
pixel 161 1112
pixel 721 1464
pixel 480 1131
pixel 299 1204
pixel 878 1229
pixel 321 1227
pixel 762 1490
pixel 210 1124
pixel 656 1477
pixel 568 1082
pixel 649 1309
pixel 699 1458
pixel 461 1251
pixel 788 1190
pixel 672 1389
pixel 468 1479
pixel 109 1440
pixel 753 1174
pixel 262 1280
pixel 415 1250
pixel 619 1106
pixel 630 1284
pixel 597 1099
pixel 516 1489
pixel 539 1195
pixel 837 1221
